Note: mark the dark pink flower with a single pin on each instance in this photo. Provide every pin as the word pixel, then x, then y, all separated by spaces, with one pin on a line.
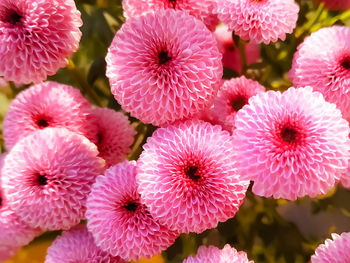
pixel 187 176
pixel 48 175
pixel 48 104
pixel 333 251
pixel 78 245
pixel 203 10
pixel 114 135
pixel 259 20
pixel 213 254
pixel 325 65
pixel 164 66
pixel 336 4
pixel 36 37
pixel 119 221
pixel 291 144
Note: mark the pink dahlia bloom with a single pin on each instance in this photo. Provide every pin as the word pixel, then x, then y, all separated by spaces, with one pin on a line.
pixel 231 57
pixel 14 233
pixel 259 20
pixel 325 65
pixel 164 66
pixel 114 135
pixel 291 144
pixel 55 168
pixel 187 176
pixel 333 251
pixel 77 245
pixel 119 221
pixel 336 4
pixel 36 37
pixel 232 96
pixel 212 254
pixel 48 104
pixel 202 10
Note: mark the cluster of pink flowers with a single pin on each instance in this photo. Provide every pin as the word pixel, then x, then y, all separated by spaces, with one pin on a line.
pixel 67 160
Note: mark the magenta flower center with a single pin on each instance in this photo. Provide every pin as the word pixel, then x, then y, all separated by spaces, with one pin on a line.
pixel 346 64
pixel 41 179
pixel 163 57
pixel 238 103
pixel 288 134
pixel 131 206
pixel 173 2
pixel 13 18
pixel 42 123
pixel 192 173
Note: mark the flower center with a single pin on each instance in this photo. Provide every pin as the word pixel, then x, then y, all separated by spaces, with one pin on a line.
pixel 288 134
pixel 346 64
pixel 163 57
pixel 173 2
pixel 238 103
pixel 99 138
pixel 192 173
pixel 14 18
pixel 42 123
pixel 42 180
pixel 0 202
pixel 131 206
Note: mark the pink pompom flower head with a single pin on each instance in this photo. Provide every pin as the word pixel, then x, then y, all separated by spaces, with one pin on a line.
pixel 114 135
pixel 36 37
pixel 230 54
pixel 202 10
pixel 48 104
pixel 291 144
pixel 187 176
pixel 164 66
pixel 14 232
pixel 232 96
pixel 333 251
pixel 261 21
pixel 213 254
pixel 120 223
pixel 55 168
pixel 325 65
pixel 78 245
pixel 336 4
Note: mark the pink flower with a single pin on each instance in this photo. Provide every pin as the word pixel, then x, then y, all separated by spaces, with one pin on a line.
pixel 231 57
pixel 259 21
pixel 77 245
pixel 14 232
pixel 212 254
pixel 232 96
pixel 202 10
pixel 119 221
pixel 164 66
pixel 48 104
pixel 36 37
pixel 55 168
pixel 336 4
pixel 188 178
pixel 325 65
pixel 335 251
pixel 114 135
pixel 291 144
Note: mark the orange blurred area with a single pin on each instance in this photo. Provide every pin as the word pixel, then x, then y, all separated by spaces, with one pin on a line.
pixel 36 252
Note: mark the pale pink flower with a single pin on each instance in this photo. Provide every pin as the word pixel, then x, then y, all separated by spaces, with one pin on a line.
pixel 259 20
pixel 114 135
pixel 47 177
pixel 187 176
pixel 48 104
pixel 78 245
pixel 325 65
pixel 291 144
pixel 336 4
pixel 164 66
pixel 120 223
pixel 202 10
pixel 36 37
pixel 231 57
pixel 232 96
pixel 333 251
pixel 213 254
